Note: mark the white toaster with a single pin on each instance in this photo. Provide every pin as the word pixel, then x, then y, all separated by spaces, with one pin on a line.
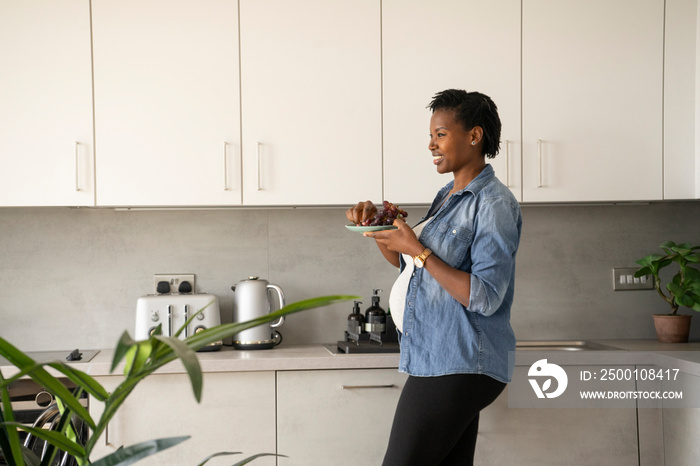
pixel 171 311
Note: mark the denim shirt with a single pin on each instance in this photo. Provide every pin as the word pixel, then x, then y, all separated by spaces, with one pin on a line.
pixel 477 230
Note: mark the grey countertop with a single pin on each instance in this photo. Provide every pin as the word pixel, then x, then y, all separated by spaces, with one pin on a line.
pixel 685 356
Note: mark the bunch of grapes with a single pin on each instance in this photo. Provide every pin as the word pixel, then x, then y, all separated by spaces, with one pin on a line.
pixel 386 216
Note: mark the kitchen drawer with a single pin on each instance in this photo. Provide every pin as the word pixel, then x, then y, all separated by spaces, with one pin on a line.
pixel 338 417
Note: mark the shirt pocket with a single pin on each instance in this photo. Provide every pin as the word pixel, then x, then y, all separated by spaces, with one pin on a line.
pixel 451 242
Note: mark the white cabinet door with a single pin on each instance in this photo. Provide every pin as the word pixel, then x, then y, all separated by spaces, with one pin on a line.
pixel 167 110
pixel 431 46
pixel 237 413
pixel 681 80
pixel 311 101
pixel 592 100
pixel 46 142
pixel 336 417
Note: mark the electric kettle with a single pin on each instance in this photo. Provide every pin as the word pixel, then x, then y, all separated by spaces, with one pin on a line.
pixel 252 300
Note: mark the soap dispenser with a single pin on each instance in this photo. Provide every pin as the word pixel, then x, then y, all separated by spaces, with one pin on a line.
pixel 356 322
pixel 375 319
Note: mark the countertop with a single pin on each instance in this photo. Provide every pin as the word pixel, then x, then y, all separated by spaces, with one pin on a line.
pixel 684 356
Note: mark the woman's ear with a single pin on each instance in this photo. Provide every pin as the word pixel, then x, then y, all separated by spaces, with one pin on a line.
pixel 476 133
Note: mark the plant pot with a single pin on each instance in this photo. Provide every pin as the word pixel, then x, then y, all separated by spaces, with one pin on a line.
pixel 672 328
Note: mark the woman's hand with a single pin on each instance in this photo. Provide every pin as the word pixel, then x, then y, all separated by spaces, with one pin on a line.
pixel 402 240
pixel 361 212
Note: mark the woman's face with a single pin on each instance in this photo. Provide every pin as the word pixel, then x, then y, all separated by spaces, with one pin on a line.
pixel 450 145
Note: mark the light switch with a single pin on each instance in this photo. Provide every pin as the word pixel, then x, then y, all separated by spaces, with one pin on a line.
pixel 624 280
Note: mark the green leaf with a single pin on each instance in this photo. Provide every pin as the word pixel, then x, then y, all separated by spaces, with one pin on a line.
pixel 693 258
pixel 9 438
pixel 251 458
pixel 642 272
pixel 189 360
pixel 123 346
pixel 30 458
pixel 191 318
pixel 137 356
pixel 43 378
pixel 82 380
pixel 220 332
pixel 64 428
pixel 134 453
pixel 668 245
pixel 675 289
pixel 221 453
pixel 54 438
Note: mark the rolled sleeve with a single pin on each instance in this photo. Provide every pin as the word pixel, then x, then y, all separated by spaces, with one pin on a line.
pixel 493 254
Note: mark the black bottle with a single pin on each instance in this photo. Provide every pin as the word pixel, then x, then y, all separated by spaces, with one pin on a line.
pixel 375 317
pixel 356 321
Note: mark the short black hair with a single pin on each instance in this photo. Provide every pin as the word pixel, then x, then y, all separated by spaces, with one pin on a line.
pixel 472 109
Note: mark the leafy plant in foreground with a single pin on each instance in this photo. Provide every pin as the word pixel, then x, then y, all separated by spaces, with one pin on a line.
pixel 141 358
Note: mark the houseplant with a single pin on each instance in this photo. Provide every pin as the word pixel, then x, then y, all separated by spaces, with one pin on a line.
pixel 141 358
pixel 683 290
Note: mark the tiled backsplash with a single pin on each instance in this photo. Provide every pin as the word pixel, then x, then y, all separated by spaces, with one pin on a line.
pixel 71 277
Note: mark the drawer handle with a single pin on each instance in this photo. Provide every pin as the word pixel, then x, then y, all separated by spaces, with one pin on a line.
pixel 260 188
pixel 77 166
pixel 226 185
pixel 539 163
pixel 363 387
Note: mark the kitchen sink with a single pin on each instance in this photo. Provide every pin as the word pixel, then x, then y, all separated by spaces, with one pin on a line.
pixel 559 345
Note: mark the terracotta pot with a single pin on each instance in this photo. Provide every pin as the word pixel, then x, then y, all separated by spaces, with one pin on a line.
pixel 672 328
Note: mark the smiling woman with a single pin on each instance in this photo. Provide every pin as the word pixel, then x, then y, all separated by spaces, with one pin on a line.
pixel 453 296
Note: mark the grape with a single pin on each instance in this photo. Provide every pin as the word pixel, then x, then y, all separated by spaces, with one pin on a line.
pixel 386 215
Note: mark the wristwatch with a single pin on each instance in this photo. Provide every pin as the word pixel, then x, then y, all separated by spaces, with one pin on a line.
pixel 419 260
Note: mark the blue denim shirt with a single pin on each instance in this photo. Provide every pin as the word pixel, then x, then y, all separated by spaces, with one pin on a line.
pixel 477 230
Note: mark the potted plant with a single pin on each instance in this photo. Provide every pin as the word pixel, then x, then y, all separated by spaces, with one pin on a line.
pixel 683 289
pixel 141 359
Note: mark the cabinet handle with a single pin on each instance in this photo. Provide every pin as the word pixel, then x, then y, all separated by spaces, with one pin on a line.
pixel 226 185
pixel 539 163
pixel 363 387
pixel 506 142
pixel 77 166
pixel 258 150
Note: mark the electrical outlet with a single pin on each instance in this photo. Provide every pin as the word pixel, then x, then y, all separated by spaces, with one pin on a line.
pixel 624 280
pixel 174 280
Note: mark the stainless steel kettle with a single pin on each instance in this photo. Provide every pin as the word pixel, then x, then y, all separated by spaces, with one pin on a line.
pixel 252 300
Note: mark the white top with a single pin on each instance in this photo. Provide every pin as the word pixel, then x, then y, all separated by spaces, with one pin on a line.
pixel 397 298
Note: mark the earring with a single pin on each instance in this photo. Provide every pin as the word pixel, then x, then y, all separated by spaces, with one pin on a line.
pixel 473 143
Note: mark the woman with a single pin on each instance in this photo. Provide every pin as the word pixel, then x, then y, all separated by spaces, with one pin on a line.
pixel 453 296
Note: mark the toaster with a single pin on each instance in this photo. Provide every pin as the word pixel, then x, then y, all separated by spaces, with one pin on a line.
pixel 171 311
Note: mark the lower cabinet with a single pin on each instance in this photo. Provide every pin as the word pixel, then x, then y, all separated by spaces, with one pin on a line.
pixel 556 436
pixel 343 417
pixel 236 414
pixel 681 422
pixel 335 417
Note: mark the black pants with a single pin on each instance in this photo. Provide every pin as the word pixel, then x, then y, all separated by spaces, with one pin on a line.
pixel 437 419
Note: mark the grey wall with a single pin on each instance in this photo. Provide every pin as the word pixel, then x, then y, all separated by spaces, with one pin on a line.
pixel 71 277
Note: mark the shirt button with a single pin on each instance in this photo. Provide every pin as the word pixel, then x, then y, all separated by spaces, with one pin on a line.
pixel 406 333
pixel 454 232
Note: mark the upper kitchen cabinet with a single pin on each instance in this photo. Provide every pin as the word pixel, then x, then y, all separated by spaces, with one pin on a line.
pixel 431 46
pixel 592 100
pixel 167 107
pixel 681 81
pixel 46 141
pixel 311 101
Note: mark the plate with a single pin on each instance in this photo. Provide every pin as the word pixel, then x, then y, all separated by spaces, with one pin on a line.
pixel 374 228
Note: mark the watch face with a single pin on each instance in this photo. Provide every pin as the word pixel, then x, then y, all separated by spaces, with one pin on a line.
pixel 418 262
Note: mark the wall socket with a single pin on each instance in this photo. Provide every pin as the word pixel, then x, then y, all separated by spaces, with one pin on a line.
pixel 624 280
pixel 174 280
